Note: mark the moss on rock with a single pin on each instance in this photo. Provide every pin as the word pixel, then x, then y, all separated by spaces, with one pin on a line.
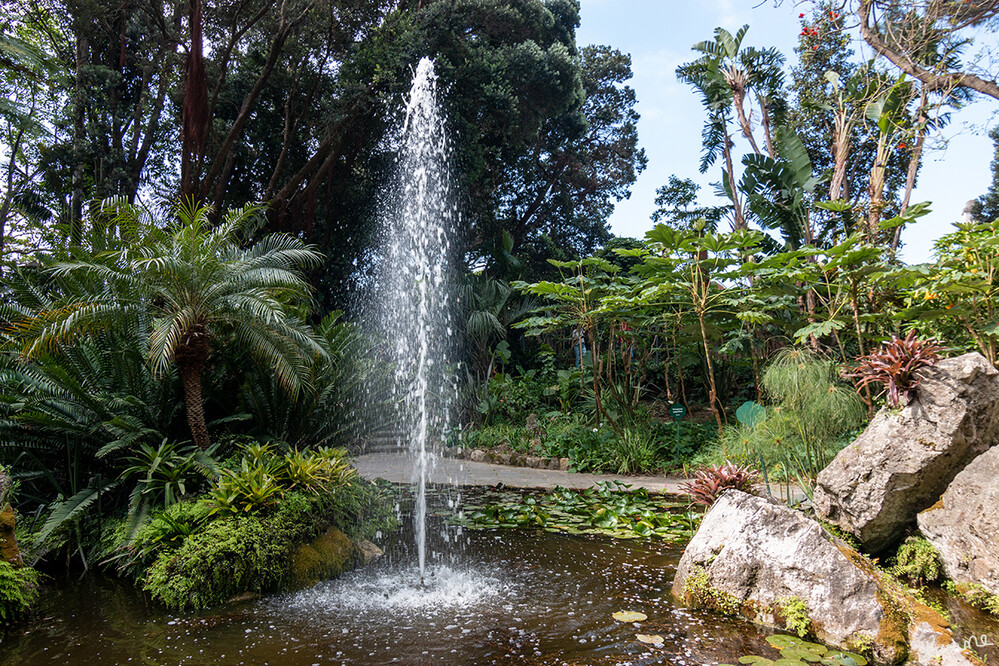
pixel 327 556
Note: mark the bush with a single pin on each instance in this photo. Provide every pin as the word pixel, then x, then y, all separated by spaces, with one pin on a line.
pixel 18 592
pixel 194 567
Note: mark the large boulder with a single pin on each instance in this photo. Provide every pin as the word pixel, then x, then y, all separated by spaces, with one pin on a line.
pixel 760 559
pixel 757 558
pixel 905 459
pixel 964 524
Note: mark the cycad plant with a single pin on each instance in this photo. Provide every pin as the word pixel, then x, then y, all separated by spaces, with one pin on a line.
pixel 200 286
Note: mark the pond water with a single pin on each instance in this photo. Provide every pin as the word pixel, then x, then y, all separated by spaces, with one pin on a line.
pixel 517 597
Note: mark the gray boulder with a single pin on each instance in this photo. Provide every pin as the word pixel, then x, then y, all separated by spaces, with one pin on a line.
pixel 905 459
pixel 964 525
pixel 757 558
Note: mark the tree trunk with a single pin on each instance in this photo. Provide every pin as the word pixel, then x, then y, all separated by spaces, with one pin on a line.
pixel 192 356
pixel 739 221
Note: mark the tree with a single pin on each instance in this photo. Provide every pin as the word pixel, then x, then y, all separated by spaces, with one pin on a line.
pixel 986 207
pixel 565 183
pixel 678 207
pixel 728 76
pixel 201 289
pixel 903 32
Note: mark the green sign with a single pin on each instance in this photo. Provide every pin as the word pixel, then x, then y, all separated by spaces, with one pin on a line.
pixel 677 411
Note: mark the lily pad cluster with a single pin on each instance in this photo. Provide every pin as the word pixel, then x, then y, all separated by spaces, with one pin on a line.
pixel 795 651
pixel 609 508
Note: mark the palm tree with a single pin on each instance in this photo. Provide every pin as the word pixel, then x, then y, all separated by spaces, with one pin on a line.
pixel 724 75
pixel 200 287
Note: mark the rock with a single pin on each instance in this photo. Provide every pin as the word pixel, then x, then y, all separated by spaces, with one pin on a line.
pixel 478 455
pixel 327 556
pixel 754 557
pixel 904 460
pixel 536 462
pixel 532 423
pixel 9 551
pixel 246 596
pixel 369 551
pixel 964 524
pixel 563 464
pixel 931 642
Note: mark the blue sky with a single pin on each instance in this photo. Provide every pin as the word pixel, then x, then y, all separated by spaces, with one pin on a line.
pixel 659 33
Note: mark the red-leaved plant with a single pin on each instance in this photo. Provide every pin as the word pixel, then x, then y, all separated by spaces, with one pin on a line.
pixel 894 366
pixel 709 482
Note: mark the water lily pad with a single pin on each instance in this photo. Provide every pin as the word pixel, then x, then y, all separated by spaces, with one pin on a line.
pixel 842 658
pixel 783 641
pixel 790 662
pixel 814 647
pixel 800 654
pixel 753 659
pixel 651 639
pixel 629 616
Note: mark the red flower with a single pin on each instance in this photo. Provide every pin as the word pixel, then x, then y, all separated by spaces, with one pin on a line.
pixel 901 146
pixel 802 15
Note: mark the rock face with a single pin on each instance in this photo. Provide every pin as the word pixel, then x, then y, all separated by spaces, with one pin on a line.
pixel 964 524
pixel 754 557
pixel 8 543
pixel 904 461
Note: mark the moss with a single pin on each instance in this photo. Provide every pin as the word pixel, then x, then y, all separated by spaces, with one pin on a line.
pixel 18 592
pixel 892 641
pixel 329 555
pixel 840 533
pixel 793 613
pixel 917 561
pixel 8 541
pixel 209 560
pixel 698 591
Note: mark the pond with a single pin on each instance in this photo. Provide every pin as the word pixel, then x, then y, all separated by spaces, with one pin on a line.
pixel 507 597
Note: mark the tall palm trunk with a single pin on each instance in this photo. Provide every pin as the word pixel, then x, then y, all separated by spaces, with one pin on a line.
pixel 191 357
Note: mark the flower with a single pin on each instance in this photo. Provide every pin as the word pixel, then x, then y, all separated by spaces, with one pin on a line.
pixel 901 146
pixel 801 15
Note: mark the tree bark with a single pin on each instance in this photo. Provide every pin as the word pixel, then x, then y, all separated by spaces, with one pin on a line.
pixel 191 357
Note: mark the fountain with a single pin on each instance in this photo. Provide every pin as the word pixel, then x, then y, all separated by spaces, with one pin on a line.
pixel 415 303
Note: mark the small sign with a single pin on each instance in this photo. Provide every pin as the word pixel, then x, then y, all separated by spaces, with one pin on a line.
pixel 677 411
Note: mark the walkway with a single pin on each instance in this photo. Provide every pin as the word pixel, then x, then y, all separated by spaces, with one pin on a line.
pixel 398 468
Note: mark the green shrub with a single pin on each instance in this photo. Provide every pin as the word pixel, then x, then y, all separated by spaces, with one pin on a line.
pixel 195 562
pixel 18 592
pixel 917 561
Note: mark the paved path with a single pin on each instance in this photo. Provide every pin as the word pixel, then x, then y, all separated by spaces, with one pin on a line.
pixel 398 468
